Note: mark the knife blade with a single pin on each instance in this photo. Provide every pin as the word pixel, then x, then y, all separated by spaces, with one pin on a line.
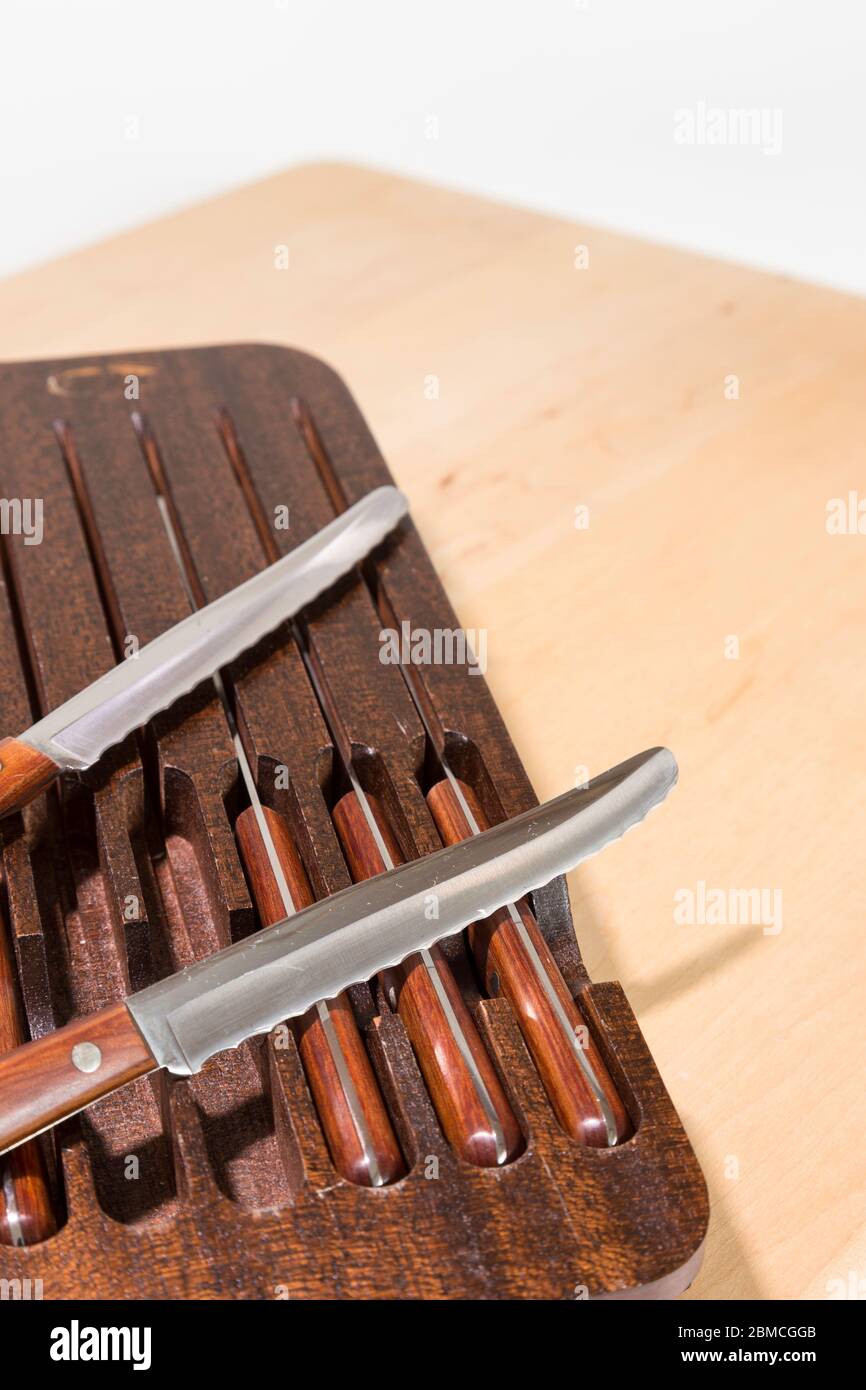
pixel 253 985
pixel 73 736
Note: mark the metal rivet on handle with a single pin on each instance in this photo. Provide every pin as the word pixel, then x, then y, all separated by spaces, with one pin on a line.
pixel 86 1057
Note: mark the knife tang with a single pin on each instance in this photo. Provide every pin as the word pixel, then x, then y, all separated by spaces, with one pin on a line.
pixel 46 1081
pixel 514 959
pixel 467 1094
pixel 357 1127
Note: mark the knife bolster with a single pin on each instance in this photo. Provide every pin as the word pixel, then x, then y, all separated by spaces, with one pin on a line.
pixel 24 773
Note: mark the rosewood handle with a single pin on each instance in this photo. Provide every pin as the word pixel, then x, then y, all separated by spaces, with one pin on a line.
pixel 356 1124
pixel 506 965
pixel 26 1213
pixel 466 1120
pixel 24 773
pixel 46 1081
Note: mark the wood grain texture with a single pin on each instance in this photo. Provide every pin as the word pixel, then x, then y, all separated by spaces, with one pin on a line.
pixel 27 1214
pixel 506 964
pixel 372 1156
pixel 465 1118
pixel 26 1203
pixel 24 773
pixel 45 1081
pixel 249 1200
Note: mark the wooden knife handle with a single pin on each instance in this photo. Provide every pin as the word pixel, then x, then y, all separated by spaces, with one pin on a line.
pixel 45 1081
pixel 25 1201
pixel 26 1213
pixel 368 1153
pixel 506 965
pixel 24 773
pixel 464 1117
pixel 26 1210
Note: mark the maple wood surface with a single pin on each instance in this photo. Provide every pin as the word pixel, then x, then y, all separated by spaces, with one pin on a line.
pixel 508 388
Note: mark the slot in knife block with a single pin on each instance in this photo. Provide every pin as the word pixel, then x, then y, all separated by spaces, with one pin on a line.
pixel 222 1186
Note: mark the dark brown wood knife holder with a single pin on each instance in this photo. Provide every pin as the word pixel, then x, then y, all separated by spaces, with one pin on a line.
pixel 222 1186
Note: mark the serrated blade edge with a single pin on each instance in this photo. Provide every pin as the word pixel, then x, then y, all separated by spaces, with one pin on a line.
pixel 76 733
pixel 278 973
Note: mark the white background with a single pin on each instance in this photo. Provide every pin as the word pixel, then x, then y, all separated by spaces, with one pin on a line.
pixel 112 113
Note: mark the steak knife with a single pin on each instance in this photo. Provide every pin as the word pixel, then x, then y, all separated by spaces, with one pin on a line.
pixel 277 973
pixel 73 736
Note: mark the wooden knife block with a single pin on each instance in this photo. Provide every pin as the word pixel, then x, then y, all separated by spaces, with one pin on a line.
pixel 222 1186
